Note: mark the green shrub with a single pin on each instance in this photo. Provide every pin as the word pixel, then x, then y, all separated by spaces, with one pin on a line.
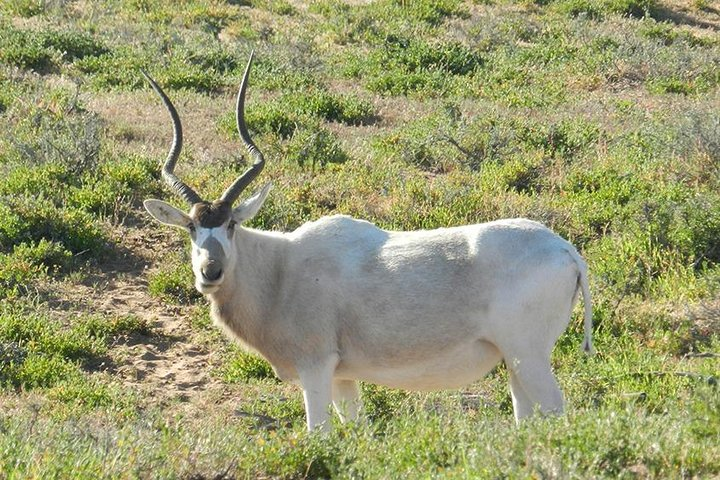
pixel 39 371
pixel 211 17
pixel 668 34
pixel 45 49
pixel 119 69
pixel 17 274
pixel 23 49
pixel 7 96
pixel 45 253
pixel 368 23
pixel 416 147
pixel 280 73
pixel 602 199
pixel 566 138
pixel 131 172
pixel 324 105
pixel 688 225
pixel 635 8
pixel 47 179
pixel 90 394
pixel 174 282
pixel 116 186
pixel 414 55
pixel 44 353
pixel 104 328
pixel 55 160
pixel 432 12
pixel 428 143
pixel 316 146
pixel 244 367
pixel 600 8
pixel 179 75
pixel 38 333
pixel 663 31
pixel 510 83
pixel 266 118
pixel 96 197
pixel 215 58
pixel 671 85
pixel 31 220
pixel 523 175
pixel 279 7
pixel 328 8
pixel 71 44
pixel 283 116
pixel 405 65
pixel 24 8
pixel 158 12
pixel 382 403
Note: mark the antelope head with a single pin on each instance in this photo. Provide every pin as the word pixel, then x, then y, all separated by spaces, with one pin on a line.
pixel 211 225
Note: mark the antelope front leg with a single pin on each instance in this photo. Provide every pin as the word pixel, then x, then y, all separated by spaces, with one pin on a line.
pixel 316 382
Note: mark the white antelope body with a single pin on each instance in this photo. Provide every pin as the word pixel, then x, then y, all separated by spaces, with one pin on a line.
pixel 341 300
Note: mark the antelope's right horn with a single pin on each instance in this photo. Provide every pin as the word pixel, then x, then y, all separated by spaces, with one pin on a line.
pixel 168 170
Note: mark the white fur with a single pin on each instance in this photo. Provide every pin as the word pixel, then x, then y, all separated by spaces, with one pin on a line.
pixel 340 300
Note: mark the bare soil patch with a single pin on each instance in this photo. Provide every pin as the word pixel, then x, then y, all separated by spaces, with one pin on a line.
pixel 169 363
pixel 686 13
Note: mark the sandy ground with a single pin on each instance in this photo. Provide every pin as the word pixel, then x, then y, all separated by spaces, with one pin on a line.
pixel 170 363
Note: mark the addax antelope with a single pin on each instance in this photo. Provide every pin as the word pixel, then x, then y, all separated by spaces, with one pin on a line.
pixel 340 300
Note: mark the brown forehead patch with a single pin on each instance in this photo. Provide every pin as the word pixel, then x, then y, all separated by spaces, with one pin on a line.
pixel 211 215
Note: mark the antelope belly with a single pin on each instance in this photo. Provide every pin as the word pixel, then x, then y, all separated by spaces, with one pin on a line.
pixel 450 368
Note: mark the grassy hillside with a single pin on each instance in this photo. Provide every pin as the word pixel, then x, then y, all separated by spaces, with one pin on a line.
pixel 600 118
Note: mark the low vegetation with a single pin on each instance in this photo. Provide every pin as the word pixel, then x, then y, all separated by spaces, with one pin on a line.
pixel 597 117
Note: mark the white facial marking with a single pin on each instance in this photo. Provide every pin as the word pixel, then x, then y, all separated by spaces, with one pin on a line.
pixel 202 235
pixel 210 247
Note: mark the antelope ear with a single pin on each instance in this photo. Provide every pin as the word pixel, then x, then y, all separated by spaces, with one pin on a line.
pixel 165 213
pixel 250 207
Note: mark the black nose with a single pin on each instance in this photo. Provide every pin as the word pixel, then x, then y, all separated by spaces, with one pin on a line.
pixel 212 271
